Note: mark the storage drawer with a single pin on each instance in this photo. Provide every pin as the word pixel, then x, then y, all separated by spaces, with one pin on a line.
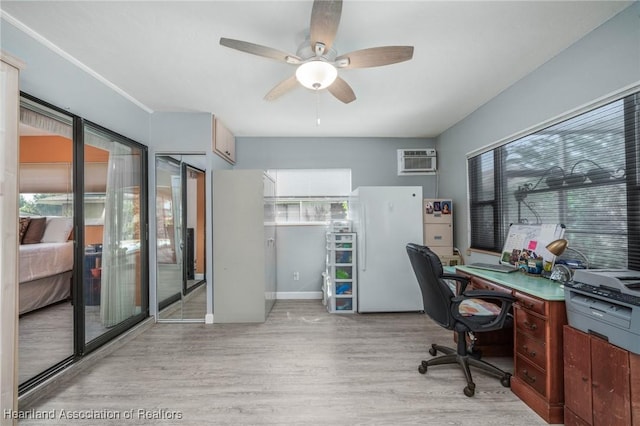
pixel 343 273
pixel 438 234
pixel 530 374
pixel 531 349
pixel 344 256
pixel 344 304
pixel 481 284
pixel 344 288
pixel 341 237
pixel 530 324
pixel 530 303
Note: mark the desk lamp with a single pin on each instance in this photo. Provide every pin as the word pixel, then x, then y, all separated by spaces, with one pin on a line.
pixel 561 272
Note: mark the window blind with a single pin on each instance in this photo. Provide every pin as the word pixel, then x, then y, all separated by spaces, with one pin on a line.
pixel 582 173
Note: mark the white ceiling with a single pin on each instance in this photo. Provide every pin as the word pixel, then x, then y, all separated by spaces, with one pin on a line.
pixel 166 56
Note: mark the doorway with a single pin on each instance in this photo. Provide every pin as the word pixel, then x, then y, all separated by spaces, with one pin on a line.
pixel 83 254
pixel 46 162
pixel 180 237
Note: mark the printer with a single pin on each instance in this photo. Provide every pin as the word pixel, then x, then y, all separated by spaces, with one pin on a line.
pixel 606 302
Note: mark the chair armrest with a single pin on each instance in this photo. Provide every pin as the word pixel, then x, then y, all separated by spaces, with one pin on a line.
pixel 492 322
pixel 464 281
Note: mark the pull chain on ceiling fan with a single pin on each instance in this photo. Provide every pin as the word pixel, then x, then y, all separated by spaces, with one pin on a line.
pixel 318 64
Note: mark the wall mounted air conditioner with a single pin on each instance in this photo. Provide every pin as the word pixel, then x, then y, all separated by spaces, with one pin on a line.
pixel 416 161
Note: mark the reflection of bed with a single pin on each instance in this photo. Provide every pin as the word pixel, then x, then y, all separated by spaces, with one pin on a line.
pixel 44 274
pixel 165 251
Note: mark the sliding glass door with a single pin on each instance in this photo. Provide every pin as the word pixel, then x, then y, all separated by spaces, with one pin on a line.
pixel 181 241
pixel 83 257
pixel 46 251
pixel 114 260
pixel 193 206
pixel 169 225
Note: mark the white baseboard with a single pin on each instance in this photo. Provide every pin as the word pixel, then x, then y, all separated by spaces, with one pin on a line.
pixel 208 319
pixel 281 295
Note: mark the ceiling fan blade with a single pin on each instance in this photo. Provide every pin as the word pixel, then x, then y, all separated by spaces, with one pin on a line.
pixel 375 57
pixel 325 17
pixel 256 49
pixel 342 91
pixel 281 88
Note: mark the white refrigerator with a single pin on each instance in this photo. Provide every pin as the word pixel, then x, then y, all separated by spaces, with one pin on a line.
pixel 385 219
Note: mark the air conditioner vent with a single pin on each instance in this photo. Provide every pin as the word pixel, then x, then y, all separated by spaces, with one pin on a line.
pixel 416 161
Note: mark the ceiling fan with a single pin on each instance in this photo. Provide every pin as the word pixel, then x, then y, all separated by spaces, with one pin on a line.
pixel 317 62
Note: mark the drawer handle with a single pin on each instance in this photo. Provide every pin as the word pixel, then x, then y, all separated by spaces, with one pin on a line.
pixel 530 325
pixel 532 354
pixel 528 305
pixel 530 379
pixel 585 379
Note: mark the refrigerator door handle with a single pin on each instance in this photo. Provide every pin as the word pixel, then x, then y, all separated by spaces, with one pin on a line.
pixel 363 240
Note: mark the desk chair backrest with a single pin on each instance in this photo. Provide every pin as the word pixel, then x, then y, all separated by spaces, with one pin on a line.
pixel 436 293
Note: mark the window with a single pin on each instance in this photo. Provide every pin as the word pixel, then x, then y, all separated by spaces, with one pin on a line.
pixel 312 195
pixel 582 172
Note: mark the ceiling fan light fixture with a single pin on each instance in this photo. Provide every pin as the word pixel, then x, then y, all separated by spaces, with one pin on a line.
pixel 316 75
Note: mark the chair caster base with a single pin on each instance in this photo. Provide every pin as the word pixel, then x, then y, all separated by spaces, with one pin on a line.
pixel 506 380
pixel 470 390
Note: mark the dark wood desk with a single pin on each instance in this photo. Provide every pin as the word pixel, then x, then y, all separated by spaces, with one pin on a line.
pixel 539 315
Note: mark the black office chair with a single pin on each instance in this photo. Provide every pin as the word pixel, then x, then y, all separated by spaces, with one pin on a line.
pixel 451 310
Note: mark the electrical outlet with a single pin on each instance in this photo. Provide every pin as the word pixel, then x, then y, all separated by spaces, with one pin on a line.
pixel 296 276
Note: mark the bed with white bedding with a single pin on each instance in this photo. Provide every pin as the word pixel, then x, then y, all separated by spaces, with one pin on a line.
pixel 44 272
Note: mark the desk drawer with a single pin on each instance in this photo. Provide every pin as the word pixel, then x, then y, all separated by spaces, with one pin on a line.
pixel 531 349
pixel 531 375
pixel 531 303
pixel 481 284
pixel 530 324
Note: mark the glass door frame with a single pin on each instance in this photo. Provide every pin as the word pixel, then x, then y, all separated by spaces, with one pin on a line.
pixel 79 299
pixel 178 159
pixel 185 208
pixel 80 347
pixel 169 158
pixel 64 363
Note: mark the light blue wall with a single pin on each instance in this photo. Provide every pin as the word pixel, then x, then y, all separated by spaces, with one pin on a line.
pixel 185 133
pixel 604 62
pixel 52 78
pixel 373 162
pixel 300 249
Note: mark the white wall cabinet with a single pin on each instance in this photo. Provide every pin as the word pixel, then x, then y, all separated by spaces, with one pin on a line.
pixel 244 246
pixel 224 142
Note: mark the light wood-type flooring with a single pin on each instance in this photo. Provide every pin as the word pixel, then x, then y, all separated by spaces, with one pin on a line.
pixel 303 366
pixel 46 336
